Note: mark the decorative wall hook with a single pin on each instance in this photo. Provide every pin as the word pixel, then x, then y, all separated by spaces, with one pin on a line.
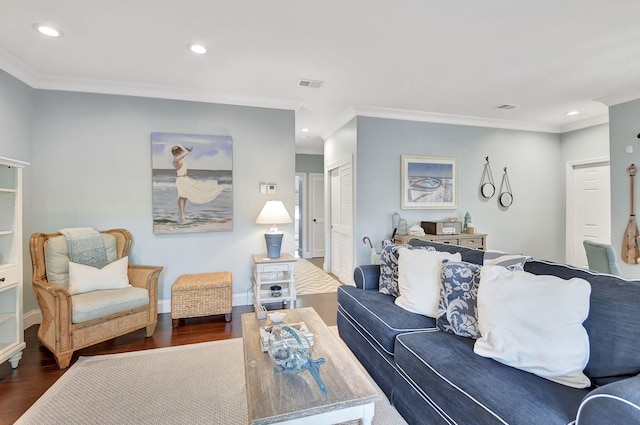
pixel 506 197
pixel 487 188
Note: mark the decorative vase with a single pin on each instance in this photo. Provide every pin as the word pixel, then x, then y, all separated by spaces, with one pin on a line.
pixel 403 227
pixel 276 290
pixel 290 353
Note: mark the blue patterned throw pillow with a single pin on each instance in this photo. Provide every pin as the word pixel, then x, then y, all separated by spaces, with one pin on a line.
pixel 510 261
pixel 458 308
pixel 388 283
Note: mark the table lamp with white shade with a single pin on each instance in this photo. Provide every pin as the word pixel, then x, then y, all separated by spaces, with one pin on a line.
pixel 274 213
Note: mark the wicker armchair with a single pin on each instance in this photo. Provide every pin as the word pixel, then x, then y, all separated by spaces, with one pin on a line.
pixel 57 331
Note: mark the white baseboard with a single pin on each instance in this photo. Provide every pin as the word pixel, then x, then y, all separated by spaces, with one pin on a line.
pixel 34 317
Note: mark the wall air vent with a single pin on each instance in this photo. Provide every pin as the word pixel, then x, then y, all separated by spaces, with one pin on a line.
pixel 314 84
pixel 505 107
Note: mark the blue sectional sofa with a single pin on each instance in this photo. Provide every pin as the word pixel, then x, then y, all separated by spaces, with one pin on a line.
pixel 433 377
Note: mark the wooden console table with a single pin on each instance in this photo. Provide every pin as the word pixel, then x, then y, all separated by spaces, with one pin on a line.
pixel 475 240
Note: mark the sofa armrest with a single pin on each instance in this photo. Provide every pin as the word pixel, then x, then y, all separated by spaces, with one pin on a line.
pixel 616 403
pixel 367 276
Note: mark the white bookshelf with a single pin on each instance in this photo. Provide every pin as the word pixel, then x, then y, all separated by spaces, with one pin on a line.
pixel 11 282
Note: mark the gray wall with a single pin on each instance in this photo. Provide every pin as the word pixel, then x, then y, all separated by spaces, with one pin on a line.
pixel 17 104
pixel 624 126
pixel 92 167
pixel 587 143
pixel 534 224
pixel 308 163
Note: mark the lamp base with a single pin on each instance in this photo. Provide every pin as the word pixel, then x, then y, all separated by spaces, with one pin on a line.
pixel 274 243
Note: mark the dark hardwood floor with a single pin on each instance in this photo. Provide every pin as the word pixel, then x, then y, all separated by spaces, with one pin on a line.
pixel 37 371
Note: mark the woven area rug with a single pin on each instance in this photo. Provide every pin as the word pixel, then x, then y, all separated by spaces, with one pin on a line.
pixel 310 279
pixel 190 384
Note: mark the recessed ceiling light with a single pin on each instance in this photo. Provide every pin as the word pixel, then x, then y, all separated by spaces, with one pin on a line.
pixel 571 113
pixel 48 30
pixel 304 130
pixel 197 48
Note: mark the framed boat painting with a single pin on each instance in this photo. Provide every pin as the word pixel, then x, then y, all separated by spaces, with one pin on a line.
pixel 429 182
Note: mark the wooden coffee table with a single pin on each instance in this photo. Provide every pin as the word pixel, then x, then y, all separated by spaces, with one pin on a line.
pixel 296 399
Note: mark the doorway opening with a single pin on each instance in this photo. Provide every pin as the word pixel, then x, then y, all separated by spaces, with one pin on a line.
pixel 300 214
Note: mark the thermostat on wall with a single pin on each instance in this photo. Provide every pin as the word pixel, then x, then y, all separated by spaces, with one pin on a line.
pixel 267 188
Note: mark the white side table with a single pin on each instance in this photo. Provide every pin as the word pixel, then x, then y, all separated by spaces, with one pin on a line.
pixel 268 272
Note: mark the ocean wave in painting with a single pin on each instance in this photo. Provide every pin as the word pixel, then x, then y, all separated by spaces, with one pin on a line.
pixel 213 216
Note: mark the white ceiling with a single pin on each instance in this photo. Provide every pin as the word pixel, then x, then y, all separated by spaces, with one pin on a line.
pixel 443 61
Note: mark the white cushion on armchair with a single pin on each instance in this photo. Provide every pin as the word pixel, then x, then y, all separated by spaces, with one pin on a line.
pixel 97 304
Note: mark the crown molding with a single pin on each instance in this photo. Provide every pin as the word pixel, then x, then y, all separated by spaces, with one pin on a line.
pixel 25 74
pixel 341 121
pixel 616 99
pixel 190 94
pixel 440 118
pixel 433 117
pixel 18 69
pixel 588 122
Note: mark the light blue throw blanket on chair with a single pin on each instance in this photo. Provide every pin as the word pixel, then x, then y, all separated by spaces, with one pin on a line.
pixel 85 246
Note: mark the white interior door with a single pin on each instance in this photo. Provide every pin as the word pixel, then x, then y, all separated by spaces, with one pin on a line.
pixel 588 208
pixel 342 222
pixel 317 214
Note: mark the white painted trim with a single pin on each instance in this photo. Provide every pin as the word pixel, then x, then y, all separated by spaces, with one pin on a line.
pixel 338 163
pixel 310 222
pixel 13 162
pixel 467 120
pixel 589 122
pixel 25 74
pixel 33 317
pixel 243 299
pixel 626 96
pixel 304 215
pixel 435 117
pixel 347 160
pixel 164 306
pixel 341 121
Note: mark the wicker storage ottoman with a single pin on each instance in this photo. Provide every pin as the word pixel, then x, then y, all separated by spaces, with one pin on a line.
pixel 204 294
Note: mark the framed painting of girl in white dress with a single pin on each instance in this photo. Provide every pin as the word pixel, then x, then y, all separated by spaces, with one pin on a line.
pixel 192 177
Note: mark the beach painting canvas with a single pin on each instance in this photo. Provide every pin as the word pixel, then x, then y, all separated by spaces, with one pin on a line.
pixel 192 182
pixel 428 182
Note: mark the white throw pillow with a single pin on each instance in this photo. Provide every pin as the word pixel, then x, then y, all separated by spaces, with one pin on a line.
pixel 534 323
pixel 84 278
pixel 419 279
